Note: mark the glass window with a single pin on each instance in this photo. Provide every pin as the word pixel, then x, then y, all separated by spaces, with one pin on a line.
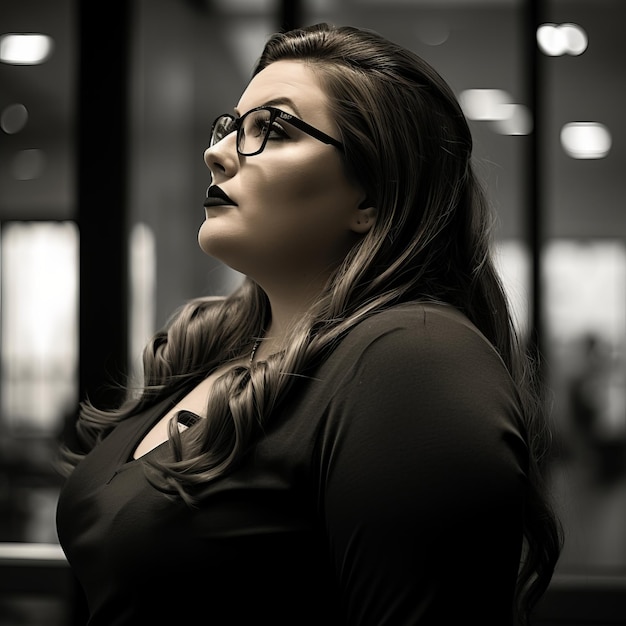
pixel 39 324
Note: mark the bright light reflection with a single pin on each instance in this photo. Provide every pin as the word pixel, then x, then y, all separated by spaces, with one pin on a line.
pixel 512 261
pixel 142 292
pixel 585 298
pixel 517 120
pixel 585 288
pixel 496 106
pixel 39 323
pixel 586 140
pixel 560 39
pixel 486 104
pixel 576 39
pixel 25 48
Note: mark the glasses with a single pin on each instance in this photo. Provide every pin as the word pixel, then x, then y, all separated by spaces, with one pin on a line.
pixel 258 125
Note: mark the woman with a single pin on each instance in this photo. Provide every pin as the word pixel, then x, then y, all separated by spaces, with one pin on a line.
pixel 351 436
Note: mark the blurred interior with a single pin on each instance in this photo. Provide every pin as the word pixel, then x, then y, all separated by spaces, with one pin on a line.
pixel 101 190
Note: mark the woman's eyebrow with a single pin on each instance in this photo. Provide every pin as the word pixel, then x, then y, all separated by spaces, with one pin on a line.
pixel 276 102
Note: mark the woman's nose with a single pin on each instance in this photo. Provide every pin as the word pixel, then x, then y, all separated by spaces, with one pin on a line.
pixel 222 157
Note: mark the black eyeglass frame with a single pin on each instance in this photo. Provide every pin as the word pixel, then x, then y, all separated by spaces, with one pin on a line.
pixel 274 114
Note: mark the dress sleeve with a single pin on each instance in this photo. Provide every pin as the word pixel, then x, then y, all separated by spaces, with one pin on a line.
pixel 422 480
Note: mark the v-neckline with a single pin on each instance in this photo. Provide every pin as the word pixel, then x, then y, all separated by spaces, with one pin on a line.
pixel 155 413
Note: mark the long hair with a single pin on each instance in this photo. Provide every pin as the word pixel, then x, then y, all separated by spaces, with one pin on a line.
pixel 408 145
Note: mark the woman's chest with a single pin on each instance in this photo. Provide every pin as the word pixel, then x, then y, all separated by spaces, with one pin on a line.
pixel 195 402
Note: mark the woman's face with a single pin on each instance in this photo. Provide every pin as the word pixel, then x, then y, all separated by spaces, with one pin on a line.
pixel 295 210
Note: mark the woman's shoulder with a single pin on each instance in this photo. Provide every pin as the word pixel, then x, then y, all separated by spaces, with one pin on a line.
pixel 418 321
pixel 419 335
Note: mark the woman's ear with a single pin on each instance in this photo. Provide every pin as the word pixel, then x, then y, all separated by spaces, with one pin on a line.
pixel 363 218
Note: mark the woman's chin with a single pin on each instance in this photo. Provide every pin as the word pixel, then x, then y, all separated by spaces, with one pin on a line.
pixel 209 237
pixel 217 248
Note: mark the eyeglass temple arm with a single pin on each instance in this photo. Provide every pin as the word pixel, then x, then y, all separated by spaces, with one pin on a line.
pixel 311 130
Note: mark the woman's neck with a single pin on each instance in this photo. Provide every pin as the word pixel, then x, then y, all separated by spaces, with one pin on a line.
pixel 288 307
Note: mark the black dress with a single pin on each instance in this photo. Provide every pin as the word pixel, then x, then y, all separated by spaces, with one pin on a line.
pixel 388 489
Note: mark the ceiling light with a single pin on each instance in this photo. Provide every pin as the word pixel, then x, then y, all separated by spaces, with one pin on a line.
pixel 518 120
pixel 575 37
pixel 559 39
pixel 485 104
pixel 586 140
pixel 25 48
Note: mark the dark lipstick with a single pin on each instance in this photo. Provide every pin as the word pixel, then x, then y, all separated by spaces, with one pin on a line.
pixel 216 197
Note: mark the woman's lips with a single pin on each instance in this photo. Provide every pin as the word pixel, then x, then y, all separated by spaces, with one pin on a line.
pixel 216 197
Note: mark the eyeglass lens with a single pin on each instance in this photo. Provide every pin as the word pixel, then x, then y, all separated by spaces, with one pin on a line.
pixel 252 133
pixel 223 126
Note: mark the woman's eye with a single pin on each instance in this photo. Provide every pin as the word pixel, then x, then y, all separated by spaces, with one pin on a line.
pixel 276 131
pixel 260 127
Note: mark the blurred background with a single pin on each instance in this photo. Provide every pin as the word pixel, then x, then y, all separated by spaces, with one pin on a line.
pixel 105 111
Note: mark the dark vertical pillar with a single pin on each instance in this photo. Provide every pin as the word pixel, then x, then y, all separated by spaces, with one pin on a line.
pixel 103 60
pixel 535 168
pixel 290 14
pixel 103 53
